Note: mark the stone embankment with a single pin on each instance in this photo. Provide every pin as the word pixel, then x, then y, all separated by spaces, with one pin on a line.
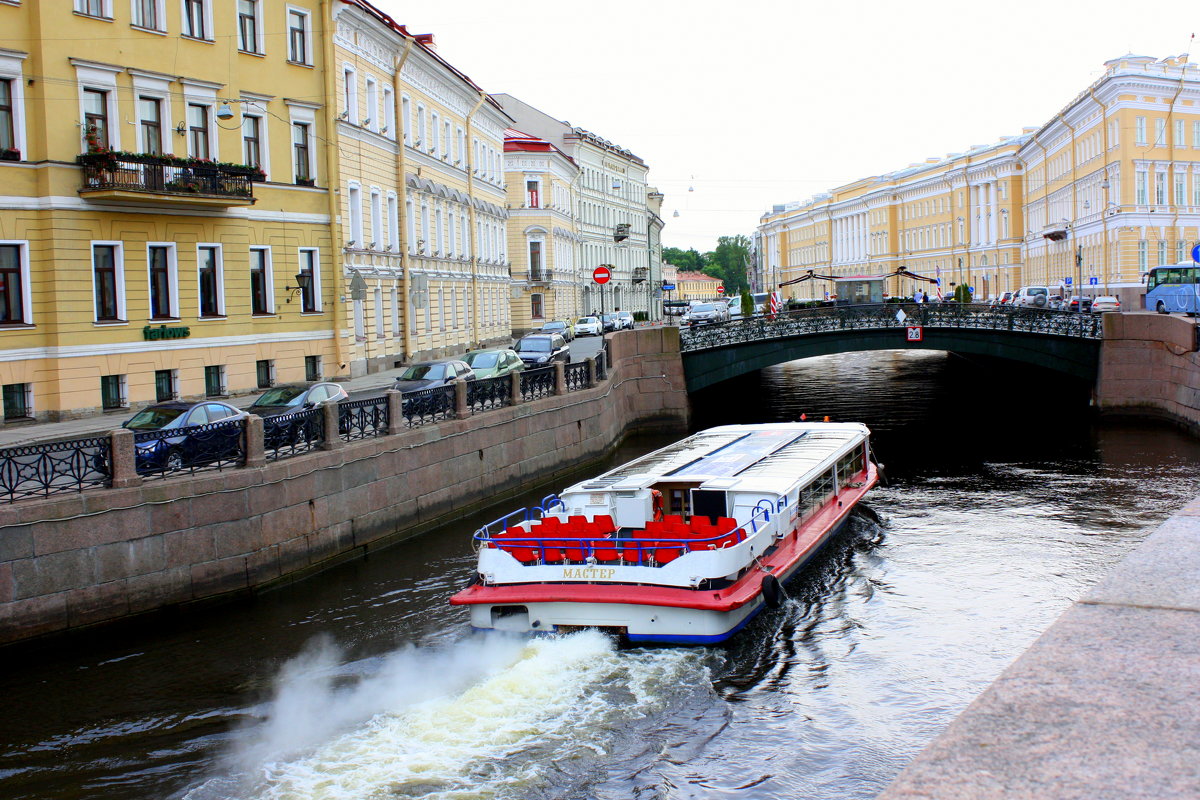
pixel 106 554
pixel 1150 367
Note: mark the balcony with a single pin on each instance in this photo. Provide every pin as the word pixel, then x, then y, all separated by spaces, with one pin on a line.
pixel 641 274
pixel 135 178
pixel 536 276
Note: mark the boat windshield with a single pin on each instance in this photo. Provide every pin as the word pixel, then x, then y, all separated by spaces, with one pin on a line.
pixel 424 372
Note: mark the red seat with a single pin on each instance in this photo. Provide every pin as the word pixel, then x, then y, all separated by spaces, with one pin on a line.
pixel 667 552
pixel 726 524
pixel 576 520
pixel 574 549
pixel 604 549
pixel 550 552
pixel 669 518
pixel 548 525
pixel 604 524
pixel 522 551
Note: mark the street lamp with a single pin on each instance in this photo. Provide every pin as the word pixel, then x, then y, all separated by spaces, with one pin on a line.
pixel 303 285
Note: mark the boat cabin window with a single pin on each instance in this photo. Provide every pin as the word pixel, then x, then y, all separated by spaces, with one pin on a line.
pixel 850 466
pixel 816 493
pixel 709 503
pixel 677 497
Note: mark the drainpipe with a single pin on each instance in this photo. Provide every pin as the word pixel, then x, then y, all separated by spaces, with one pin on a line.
pixel 474 232
pixel 333 176
pixel 1077 251
pixel 1171 149
pixel 406 283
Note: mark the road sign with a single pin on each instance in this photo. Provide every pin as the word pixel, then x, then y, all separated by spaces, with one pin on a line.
pixel 1067 281
pixel 720 290
pixel 901 316
pixel 914 333
pixel 1196 254
pixel 1093 281
pixel 668 287
pixel 602 274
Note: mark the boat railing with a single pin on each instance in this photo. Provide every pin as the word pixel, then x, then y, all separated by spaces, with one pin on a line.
pixel 549 504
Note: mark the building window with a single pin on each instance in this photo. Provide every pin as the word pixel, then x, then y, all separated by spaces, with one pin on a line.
pixel 248 25
pixel 1140 197
pixel 1162 253
pixel 1139 130
pixel 393 223
pixel 302 153
pixel 161 264
pixel 298 37
pixel 165 381
pixel 350 90
pixel 1142 255
pixel 195 22
pixel 312 368
pixel 535 306
pixel 14 305
pixel 396 330
pixel 378 312
pixel 434 128
pixel 1180 251
pixel 18 401
pixel 107 282
pixel 1196 135
pixel 252 141
pixel 150 122
pixel 112 391
pixel 260 281
pixel 147 14
pixel 421 127
pixel 1160 132
pixel 197 116
pixel 535 260
pixel 1180 137
pixel 377 230
pixel 372 120
pixel 210 281
pixel 93 8
pixel 214 380
pixel 309 265
pixel 8 128
pixel 1180 190
pixel 265 370
pixel 533 191
pixel 406 118
pixel 389 113
pixel 354 207
pixel 1160 188
pixel 95 117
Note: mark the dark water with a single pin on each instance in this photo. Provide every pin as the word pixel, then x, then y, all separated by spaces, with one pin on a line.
pixel 1005 502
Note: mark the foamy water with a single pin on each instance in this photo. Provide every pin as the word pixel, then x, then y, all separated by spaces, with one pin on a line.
pixel 487 717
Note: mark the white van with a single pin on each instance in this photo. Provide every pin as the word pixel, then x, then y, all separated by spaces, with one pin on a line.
pixel 1032 297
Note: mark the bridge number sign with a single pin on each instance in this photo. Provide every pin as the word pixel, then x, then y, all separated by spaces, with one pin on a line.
pixel 914 333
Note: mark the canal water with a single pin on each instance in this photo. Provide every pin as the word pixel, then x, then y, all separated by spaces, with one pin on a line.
pixel 1004 502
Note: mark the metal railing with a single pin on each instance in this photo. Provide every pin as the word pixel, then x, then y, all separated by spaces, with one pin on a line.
pixel 602 365
pixel 428 405
pixel 537 383
pixel 485 394
pixel 363 419
pixel 217 445
pixel 884 316
pixel 287 435
pixel 40 470
pixel 161 176
pixel 577 376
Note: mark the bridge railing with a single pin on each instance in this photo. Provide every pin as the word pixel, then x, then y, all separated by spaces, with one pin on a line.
pixel 829 319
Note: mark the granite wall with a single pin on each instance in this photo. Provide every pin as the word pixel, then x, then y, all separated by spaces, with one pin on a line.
pixel 1149 367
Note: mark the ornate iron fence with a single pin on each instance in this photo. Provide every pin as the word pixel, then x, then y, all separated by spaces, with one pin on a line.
pixel 428 405
pixel 537 383
pixel 577 376
pixel 362 419
pixel 602 365
pixel 287 435
pixel 488 393
pixel 217 445
pixel 860 317
pixel 40 470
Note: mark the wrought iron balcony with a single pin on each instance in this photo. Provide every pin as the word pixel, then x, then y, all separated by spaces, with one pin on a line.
pixel 641 274
pixel 535 276
pixel 131 177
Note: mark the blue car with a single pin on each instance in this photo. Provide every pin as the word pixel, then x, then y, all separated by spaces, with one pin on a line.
pixel 198 444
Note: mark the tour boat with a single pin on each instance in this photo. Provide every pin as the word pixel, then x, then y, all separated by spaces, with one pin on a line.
pixel 681 546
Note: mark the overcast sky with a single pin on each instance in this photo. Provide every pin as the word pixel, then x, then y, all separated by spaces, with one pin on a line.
pixel 754 103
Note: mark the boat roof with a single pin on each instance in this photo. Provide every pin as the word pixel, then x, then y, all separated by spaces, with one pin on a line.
pixel 769 457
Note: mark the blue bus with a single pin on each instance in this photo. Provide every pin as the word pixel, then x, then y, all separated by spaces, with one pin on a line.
pixel 1175 287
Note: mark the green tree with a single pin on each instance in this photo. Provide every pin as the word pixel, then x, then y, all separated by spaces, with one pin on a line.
pixel 687 260
pixel 729 262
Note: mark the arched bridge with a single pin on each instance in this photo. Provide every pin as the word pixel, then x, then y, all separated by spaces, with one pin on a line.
pixel 1065 341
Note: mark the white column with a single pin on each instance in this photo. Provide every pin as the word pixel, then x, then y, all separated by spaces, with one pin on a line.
pixel 993 210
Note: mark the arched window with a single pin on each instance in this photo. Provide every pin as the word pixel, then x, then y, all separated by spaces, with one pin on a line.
pixel 536 310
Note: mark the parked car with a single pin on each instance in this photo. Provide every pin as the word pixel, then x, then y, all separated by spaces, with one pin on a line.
pixel 493 363
pixel 588 326
pixel 1105 303
pixel 538 349
pixel 289 397
pixel 610 322
pixel 562 327
pixel 1032 297
pixel 1055 302
pixel 1079 303
pixel 432 374
pixel 190 448
pixel 735 307
pixel 626 320
pixel 704 313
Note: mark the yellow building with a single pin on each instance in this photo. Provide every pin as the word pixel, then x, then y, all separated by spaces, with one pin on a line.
pixel 542 236
pixel 129 275
pixel 696 286
pixel 1086 204
pixel 421 197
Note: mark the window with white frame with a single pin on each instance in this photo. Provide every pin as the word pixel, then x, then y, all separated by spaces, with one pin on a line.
pixel 262 296
pixel 1162 252
pixel 310 265
pixel 162 270
pixel 442 309
pixel 1160 188
pixel 354 211
pixel 1180 189
pixel 150 14
pixel 411 224
pixel 94 8
pixel 533 193
pixel 254 130
pixel 536 309
pixel 446 140
pixel 1140 186
pixel 350 93
pixel 197 19
pixel 250 26
pixel 1139 130
pixel 1196 134
pixel 1142 255
pixel 12 110
pixel 435 127
pixel 96 117
pixel 1180 137
pixel 461 147
pixel 1160 132
pixel 15 297
pixel 421 133
pixel 372 119
pixel 304 152
pixel 440 248
pixel 451 235
pixel 1196 189
pixel 299 36
pixel 393 222
pixel 425 242
pixel 108 281
pixel 378 233
pixel 406 118
pixel 379 333
pixel 198 133
pixel 150 125
pixel 395 304
pixel 1180 250
pixel 210 280
pixel 389 113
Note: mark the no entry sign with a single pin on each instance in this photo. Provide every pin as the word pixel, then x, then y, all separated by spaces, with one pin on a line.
pixel 602 274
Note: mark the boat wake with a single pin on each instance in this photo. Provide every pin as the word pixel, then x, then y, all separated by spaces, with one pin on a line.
pixel 493 717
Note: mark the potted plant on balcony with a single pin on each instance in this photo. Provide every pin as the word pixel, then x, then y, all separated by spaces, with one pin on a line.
pixel 10 154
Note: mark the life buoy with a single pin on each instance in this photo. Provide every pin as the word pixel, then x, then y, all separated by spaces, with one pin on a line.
pixel 772 592
pixel 656 499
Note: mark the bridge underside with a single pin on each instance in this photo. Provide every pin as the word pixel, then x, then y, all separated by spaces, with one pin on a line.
pixel 1078 358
